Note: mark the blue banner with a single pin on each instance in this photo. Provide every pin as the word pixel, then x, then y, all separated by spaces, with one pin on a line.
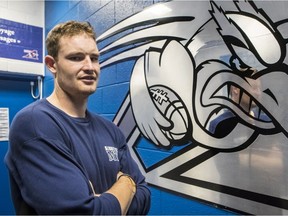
pixel 21 41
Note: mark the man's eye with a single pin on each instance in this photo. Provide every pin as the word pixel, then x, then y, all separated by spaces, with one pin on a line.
pixel 75 58
pixel 95 59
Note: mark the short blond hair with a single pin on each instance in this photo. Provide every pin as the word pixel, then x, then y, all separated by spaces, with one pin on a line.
pixel 66 29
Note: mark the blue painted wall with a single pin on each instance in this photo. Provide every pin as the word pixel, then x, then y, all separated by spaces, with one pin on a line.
pixel 14 94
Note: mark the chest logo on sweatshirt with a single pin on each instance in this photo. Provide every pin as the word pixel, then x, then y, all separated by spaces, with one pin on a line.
pixel 112 153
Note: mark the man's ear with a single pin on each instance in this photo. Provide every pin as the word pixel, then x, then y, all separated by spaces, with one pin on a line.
pixel 50 63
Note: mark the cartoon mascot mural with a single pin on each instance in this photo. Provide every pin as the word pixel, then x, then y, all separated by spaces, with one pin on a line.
pixel 210 76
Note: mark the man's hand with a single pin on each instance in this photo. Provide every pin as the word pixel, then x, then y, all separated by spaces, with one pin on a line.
pixel 120 175
pixel 123 189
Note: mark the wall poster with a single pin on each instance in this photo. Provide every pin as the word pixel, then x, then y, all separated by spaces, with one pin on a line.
pixel 4 124
pixel 22 42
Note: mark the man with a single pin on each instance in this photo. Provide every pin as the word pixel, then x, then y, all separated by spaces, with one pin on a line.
pixel 64 159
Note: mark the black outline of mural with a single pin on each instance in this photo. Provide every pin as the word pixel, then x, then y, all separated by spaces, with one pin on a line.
pixel 141 43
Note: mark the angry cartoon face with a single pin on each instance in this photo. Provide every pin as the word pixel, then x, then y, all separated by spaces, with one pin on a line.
pixel 244 83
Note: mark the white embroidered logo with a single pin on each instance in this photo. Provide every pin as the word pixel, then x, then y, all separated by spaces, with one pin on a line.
pixel 112 153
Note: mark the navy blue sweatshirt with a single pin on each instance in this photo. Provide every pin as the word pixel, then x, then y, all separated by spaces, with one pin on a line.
pixel 54 158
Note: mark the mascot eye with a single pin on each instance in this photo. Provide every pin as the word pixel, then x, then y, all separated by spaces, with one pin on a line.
pixel 235 63
pixel 239 66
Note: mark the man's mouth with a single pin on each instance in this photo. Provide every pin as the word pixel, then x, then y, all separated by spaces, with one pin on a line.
pixel 88 78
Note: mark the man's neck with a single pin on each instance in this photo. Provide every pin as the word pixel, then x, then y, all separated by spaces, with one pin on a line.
pixel 71 106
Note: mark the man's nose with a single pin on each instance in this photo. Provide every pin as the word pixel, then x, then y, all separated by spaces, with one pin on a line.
pixel 88 65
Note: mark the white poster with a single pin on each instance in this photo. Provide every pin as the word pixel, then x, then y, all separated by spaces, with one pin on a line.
pixel 4 124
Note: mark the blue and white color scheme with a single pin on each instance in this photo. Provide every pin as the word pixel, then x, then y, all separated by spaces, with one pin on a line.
pixel 22 38
pixel 21 41
pixel 187 57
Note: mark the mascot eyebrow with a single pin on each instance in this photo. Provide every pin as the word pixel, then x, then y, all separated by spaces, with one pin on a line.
pixel 238 31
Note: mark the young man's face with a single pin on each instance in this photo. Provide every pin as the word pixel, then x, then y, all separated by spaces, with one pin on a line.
pixel 77 66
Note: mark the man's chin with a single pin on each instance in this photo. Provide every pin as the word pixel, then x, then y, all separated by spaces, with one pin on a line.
pixel 88 92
